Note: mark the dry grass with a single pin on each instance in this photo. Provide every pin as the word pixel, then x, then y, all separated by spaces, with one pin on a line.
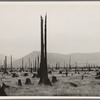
pixel 66 86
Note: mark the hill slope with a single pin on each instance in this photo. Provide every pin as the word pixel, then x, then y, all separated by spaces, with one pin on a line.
pixel 53 58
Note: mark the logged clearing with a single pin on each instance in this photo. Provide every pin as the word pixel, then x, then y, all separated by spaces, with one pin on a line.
pixel 71 85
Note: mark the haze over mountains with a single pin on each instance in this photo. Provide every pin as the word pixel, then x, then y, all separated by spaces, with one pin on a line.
pixel 53 58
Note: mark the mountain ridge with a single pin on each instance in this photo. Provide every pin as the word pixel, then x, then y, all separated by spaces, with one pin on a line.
pixel 55 58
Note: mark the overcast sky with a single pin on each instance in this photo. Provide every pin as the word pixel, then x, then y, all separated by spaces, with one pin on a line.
pixel 72 27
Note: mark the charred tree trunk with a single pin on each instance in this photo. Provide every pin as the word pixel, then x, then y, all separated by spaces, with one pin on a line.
pixel 22 65
pixel 38 69
pixel 59 66
pixel 42 54
pixel 45 45
pixel 29 64
pixel 76 68
pixel 11 63
pixel 64 65
pixel 35 65
pixel 28 81
pixel 56 66
pixel 70 62
pixel 47 81
pixel 2 92
pixel 31 68
pixel 5 65
pixel 19 82
pixel 43 64
pixel 38 62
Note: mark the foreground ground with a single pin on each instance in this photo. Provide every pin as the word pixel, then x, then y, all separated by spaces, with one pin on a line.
pixel 73 85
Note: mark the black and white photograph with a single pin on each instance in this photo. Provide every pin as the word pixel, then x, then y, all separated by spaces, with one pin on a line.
pixel 50 48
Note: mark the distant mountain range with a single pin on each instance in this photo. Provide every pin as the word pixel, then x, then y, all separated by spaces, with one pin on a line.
pixel 55 58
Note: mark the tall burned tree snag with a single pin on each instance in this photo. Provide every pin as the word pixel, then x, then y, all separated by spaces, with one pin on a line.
pixel 38 62
pixel 70 62
pixel 42 54
pixel 22 64
pixel 31 68
pixel 76 68
pixel 11 64
pixel 38 68
pixel 64 65
pixel 25 65
pixel 43 63
pixel 5 65
pixel 45 30
pixel 56 66
pixel 35 65
pixel 29 64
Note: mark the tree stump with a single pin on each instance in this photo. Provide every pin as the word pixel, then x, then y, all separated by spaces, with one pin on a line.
pixel 5 72
pixel 60 72
pixel 15 75
pixel 28 81
pixel 54 79
pixel 38 73
pixel 73 84
pixel 11 71
pixel 82 77
pixel 78 72
pixel 34 75
pixel 25 74
pixel 2 92
pixel 19 82
pixel 5 86
pixel 47 82
pixel 50 72
pixel 97 77
pixel 66 73
pixel 71 74
pixel 98 73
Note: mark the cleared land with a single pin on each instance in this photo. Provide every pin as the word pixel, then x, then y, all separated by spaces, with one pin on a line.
pixel 71 85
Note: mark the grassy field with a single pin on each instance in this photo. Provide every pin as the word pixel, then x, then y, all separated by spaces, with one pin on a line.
pixel 73 85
